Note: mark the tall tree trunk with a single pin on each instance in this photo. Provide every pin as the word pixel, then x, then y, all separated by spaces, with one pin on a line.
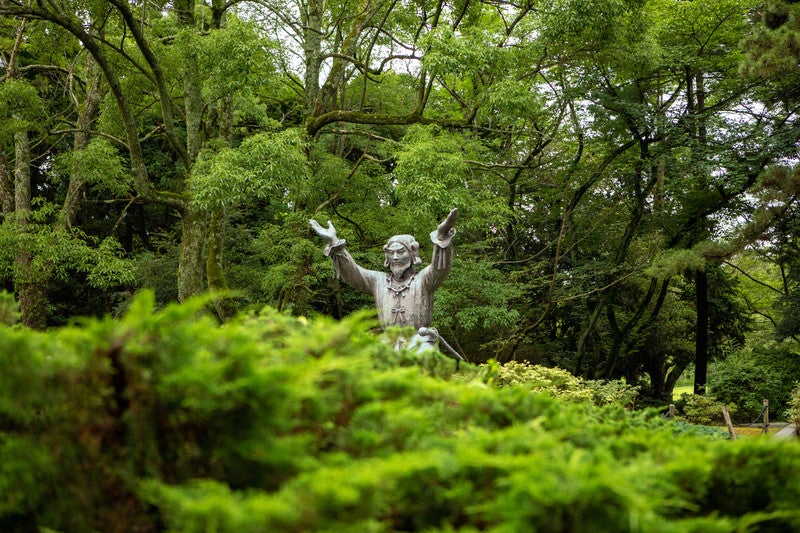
pixel 190 264
pixel 312 49
pixel 6 186
pixel 215 273
pixel 31 290
pixel 701 333
pixel 191 272
pixel 30 283
pixel 701 277
pixel 193 105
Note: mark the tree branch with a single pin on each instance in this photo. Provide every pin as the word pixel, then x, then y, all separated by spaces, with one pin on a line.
pixel 751 278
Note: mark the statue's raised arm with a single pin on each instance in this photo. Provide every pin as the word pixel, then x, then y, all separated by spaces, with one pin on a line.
pixel 447 227
pixel 443 250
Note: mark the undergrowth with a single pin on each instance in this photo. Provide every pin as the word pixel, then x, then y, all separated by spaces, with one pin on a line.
pixel 166 421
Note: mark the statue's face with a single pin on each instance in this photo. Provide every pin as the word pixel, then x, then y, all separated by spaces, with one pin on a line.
pixel 398 257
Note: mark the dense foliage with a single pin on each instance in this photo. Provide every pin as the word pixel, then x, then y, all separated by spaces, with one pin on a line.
pixel 620 166
pixel 747 378
pixel 165 421
pixel 627 181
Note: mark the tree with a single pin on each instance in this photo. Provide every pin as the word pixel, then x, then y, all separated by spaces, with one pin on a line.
pixel 151 59
pixel 48 83
pixel 669 160
pixel 773 55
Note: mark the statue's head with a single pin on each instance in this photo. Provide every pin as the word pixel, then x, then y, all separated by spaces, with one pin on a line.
pixel 401 253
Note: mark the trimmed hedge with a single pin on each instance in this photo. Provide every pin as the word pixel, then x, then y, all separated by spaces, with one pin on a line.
pixel 165 421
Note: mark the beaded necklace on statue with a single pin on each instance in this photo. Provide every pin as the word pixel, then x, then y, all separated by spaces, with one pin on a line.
pixel 398 292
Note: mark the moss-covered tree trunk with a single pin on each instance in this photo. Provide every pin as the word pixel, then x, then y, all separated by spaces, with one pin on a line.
pixel 215 272
pixel 30 282
pixel 31 290
pixel 312 50
pixel 191 261
pixel 6 186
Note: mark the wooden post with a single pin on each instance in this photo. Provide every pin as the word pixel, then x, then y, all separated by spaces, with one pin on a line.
pixel 765 427
pixel 727 416
pixel 672 411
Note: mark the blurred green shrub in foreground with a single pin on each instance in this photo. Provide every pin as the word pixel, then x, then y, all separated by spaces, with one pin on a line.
pixel 165 421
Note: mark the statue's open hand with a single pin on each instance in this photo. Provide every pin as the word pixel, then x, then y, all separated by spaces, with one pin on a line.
pixel 448 224
pixel 329 233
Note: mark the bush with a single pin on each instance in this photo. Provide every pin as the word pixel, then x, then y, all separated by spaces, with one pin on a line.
pixel 167 421
pixel 702 410
pixel 559 383
pixel 748 377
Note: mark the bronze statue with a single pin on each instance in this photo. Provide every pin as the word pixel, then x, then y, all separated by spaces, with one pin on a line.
pixel 403 295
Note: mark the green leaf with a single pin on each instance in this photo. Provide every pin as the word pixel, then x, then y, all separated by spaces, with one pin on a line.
pixel 264 166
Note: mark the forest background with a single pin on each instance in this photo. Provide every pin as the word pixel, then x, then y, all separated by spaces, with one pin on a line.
pixel 625 170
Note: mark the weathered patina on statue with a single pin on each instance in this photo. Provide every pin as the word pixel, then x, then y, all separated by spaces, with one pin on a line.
pixel 403 295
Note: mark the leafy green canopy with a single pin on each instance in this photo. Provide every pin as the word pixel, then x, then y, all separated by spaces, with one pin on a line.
pixel 272 423
pixel 60 253
pixel 265 165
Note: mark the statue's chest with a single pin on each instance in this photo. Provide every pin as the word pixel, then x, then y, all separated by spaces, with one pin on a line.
pixel 400 301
